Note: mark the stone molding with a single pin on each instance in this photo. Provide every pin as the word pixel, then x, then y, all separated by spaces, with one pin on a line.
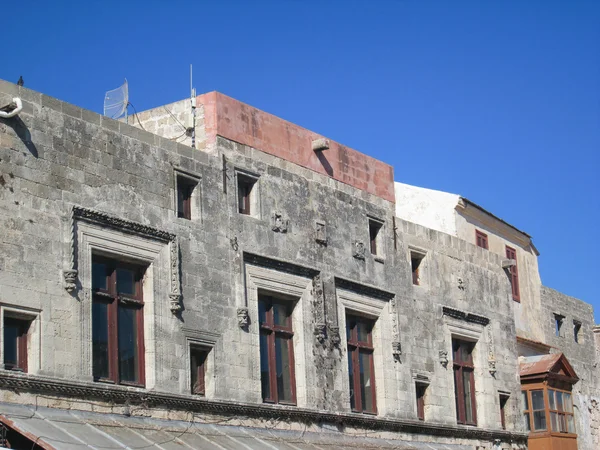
pixel 121 395
pixel 279 265
pixel 461 315
pixel 364 289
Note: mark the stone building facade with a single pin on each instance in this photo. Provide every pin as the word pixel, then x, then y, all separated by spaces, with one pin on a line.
pixel 166 287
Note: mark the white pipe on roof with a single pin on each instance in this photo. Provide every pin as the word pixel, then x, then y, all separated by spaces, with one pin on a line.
pixel 14 112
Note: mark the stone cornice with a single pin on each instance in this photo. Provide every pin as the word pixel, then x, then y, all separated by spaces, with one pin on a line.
pixel 120 395
pixel 280 265
pixel 469 317
pixel 369 291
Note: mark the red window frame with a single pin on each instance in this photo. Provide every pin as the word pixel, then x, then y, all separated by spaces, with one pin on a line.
pixel 511 253
pixel 481 239
pixel 115 301
pixel 420 391
pixel 245 186
pixel 198 356
pixel 22 327
pixel 185 189
pixel 463 364
pixel 357 347
pixel 272 331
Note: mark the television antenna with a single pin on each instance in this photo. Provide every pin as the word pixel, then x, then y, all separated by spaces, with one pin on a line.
pixel 116 101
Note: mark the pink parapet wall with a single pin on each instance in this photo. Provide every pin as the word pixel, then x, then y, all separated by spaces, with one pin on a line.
pixel 234 120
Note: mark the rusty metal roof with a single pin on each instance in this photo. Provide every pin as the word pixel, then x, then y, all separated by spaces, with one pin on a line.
pixel 541 364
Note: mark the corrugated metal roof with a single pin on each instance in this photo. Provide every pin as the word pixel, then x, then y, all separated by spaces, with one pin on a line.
pixel 76 430
pixel 533 365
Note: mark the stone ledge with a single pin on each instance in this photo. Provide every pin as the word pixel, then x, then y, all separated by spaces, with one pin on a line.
pixel 151 399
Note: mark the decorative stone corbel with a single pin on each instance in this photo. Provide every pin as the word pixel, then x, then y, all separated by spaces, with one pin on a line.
pixel 175 303
pixel 443 355
pixel 397 351
pixel 320 332
pixel 334 337
pixel 70 277
pixel 278 223
pixel 492 366
pixel 359 250
pixel 321 233
pixel 318 145
pixel 70 272
pixel 243 317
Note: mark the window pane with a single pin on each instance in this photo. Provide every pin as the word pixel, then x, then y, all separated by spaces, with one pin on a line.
pixel 539 420
pixel 571 424
pixel 468 395
pixel 349 325
pixel 559 401
pixel 524 400
pixel 554 421
pixel 283 367
pixel 11 333
pixel 527 423
pixel 551 399
pixel 262 312
pixel 568 405
pixel 128 355
pixel 280 315
pixel 264 366
pixel 366 381
pixel 100 340
pixel 363 331
pixel 99 276
pixel 197 362
pixel 466 349
pixel 537 399
pixel 125 281
pixel 351 375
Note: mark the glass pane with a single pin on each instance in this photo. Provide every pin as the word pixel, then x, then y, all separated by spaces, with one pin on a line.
pixel 126 281
pixel 283 367
pixel 537 399
pixel 456 395
pixel 571 424
pixel 554 421
pixel 100 340
pixel 524 400
pixel 468 396
pixel 99 276
pixel 568 405
pixel 11 333
pixel 349 325
pixel 551 399
pixel 262 312
pixel 197 359
pixel 128 344
pixel 280 315
pixel 366 381
pixel 527 423
pixel 264 366
pixel 559 401
pixel 351 376
pixel 466 349
pixel 539 420
pixel 363 331
pixel 562 423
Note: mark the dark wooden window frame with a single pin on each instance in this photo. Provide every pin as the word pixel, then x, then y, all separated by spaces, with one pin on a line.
pixel 185 191
pixel 199 353
pixel 245 187
pixel 421 389
pixel 375 227
pixel 511 253
pixel 503 401
pixel 481 239
pixel 21 342
pixel 113 300
pixel 461 367
pixel 355 347
pixel 272 330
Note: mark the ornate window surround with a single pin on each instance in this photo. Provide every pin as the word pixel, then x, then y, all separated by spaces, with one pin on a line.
pixel 288 287
pixel 208 341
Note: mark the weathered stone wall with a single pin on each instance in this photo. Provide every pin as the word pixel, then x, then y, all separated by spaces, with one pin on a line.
pixel 56 156
pixel 581 355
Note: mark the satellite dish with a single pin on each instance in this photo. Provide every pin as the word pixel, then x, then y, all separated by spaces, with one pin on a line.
pixel 116 101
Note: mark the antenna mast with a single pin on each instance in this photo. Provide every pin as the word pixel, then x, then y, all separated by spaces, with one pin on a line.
pixel 193 104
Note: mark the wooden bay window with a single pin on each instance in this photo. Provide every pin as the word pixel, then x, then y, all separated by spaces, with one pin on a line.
pixel 464 382
pixel 361 369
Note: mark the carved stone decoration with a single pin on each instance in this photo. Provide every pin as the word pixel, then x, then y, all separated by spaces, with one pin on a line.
pixel 443 358
pixel 175 303
pixel 492 367
pixel 320 332
pixel 321 233
pixel 491 351
pixel 394 314
pixel 334 337
pixel 397 351
pixel 278 223
pixel 318 300
pixel 243 317
pixel 359 250
pixel 461 284
pixel 234 243
pixel 175 294
pixel 70 276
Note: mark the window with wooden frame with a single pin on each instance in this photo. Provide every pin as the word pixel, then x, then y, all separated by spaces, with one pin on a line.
pixel 15 343
pixel 534 411
pixel 117 321
pixel 246 192
pixel 198 356
pixel 481 239
pixel 374 236
pixel 415 263
pixel 420 391
pixel 560 406
pixel 503 401
pixel 464 382
pixel 277 375
pixel 361 368
pixel 185 190
pixel 576 332
pixel 511 253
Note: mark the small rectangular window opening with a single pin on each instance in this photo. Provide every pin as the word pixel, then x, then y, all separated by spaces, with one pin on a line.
pixel 415 263
pixel 511 253
pixel 198 356
pixel 576 330
pixel 374 229
pixel 558 323
pixel 185 190
pixel 420 391
pixel 246 189
pixel 481 239
pixel 15 343
pixel 503 401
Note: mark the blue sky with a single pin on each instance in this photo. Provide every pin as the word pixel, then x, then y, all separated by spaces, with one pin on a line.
pixel 498 101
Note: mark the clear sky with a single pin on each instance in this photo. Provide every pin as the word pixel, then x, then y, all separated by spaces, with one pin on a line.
pixel 498 101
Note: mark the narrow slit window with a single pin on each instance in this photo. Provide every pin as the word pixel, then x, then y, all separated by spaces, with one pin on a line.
pixel 420 390
pixel 503 402
pixel 511 253
pixel 185 190
pixel 481 239
pixel 415 265
pixel 558 325
pixel 374 237
pixel 15 344
pixel 576 331
pixel 198 357
pixel 246 194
